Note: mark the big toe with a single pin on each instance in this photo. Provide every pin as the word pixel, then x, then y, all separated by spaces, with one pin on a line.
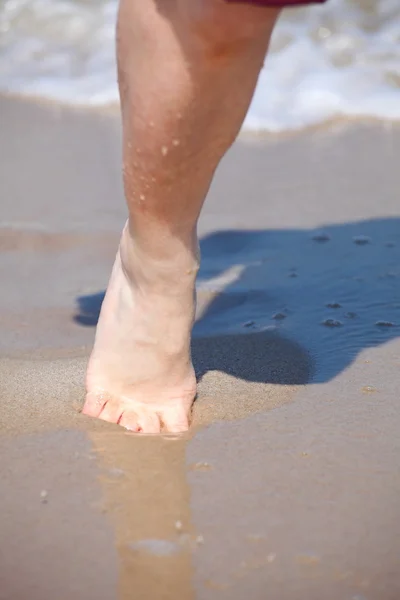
pixel 140 422
pixel 94 404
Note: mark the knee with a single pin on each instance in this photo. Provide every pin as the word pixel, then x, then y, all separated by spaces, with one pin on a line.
pixel 223 28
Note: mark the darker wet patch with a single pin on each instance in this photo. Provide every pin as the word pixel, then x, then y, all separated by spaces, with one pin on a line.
pixel 321 237
pixel 332 323
pixel 361 240
pixel 358 270
pixel 263 357
pixel 279 316
pixel 89 308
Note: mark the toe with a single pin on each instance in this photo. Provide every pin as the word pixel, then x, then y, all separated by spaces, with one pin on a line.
pixel 140 422
pixel 94 404
pixel 111 412
pixel 175 420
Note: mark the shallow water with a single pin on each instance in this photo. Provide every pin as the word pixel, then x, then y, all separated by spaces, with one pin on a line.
pixel 341 59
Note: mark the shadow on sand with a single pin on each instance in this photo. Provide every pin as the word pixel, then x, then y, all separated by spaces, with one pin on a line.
pixel 308 301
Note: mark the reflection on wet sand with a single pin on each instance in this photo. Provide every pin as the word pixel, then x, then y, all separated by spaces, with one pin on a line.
pixel 146 496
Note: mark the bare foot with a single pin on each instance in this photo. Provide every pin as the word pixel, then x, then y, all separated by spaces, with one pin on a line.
pixel 140 373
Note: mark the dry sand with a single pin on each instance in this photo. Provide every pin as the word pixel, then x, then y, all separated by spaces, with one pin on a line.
pixel 287 486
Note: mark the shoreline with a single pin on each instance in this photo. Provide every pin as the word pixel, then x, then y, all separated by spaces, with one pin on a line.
pixel 112 110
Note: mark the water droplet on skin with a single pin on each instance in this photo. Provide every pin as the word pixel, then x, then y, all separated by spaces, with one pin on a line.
pixel 321 237
pixel 332 323
pixel 333 305
pixel 175 143
pixel 279 316
pixel 361 240
pixel 142 197
pixel 178 525
pixel 368 389
pixel 151 124
pixel 164 150
pixel 384 324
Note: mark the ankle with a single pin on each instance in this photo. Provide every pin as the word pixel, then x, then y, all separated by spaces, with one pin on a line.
pixel 171 264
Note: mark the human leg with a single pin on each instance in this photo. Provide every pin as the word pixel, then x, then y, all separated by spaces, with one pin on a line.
pixel 187 72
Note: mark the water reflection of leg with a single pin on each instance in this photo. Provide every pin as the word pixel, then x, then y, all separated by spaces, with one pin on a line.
pixel 147 499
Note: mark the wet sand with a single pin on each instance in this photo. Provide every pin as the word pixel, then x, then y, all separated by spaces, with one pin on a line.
pixel 287 485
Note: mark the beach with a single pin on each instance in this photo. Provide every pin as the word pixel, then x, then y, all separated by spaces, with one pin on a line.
pixel 286 487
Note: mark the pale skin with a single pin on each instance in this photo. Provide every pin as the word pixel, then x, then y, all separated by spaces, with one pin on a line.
pixel 187 72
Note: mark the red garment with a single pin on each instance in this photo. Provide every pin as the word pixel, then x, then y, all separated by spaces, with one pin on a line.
pixel 277 2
